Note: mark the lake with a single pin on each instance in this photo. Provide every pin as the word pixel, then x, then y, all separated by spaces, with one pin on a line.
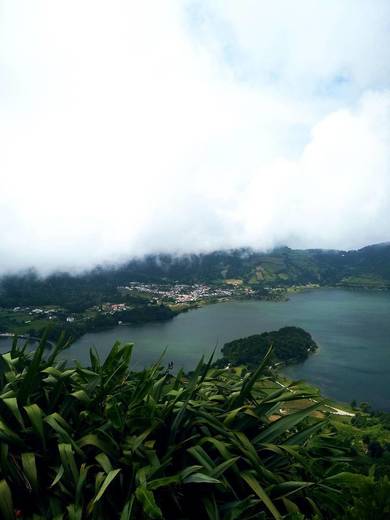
pixel 351 327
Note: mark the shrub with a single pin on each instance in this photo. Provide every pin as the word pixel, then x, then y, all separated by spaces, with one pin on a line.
pixel 102 442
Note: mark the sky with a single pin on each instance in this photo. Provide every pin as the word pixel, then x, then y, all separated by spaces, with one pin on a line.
pixel 129 127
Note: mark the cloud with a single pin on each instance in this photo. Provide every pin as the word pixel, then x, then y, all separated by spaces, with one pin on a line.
pixel 134 127
pixel 311 46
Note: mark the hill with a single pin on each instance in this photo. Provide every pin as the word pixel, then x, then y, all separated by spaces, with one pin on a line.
pixel 283 267
pixel 290 345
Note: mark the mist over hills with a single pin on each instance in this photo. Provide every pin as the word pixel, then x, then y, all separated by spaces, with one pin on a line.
pixel 282 267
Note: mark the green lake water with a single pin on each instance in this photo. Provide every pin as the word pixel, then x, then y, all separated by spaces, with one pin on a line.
pixel 351 327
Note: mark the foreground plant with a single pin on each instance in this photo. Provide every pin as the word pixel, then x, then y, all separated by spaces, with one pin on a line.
pixel 103 442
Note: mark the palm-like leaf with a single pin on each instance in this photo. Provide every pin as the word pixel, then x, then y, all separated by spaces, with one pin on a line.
pixel 104 442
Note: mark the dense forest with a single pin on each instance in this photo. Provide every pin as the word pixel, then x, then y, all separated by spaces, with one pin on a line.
pixel 283 267
pixel 136 315
pixel 101 441
pixel 290 345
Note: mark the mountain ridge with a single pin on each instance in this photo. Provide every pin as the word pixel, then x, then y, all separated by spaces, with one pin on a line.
pixel 282 267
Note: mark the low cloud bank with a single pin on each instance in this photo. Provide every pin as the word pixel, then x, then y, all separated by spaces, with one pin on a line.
pixel 131 128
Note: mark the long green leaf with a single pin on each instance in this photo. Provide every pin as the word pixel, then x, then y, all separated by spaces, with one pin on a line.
pixel 163 482
pixel 32 378
pixel 63 434
pixel 107 481
pixel 303 435
pixel 80 483
pixel 6 504
pixel 58 476
pixel 35 415
pixel 249 383
pixel 146 498
pixel 261 493
pixel 75 512
pixel 104 461
pixel 211 507
pixel 127 511
pixel 221 468
pixel 9 435
pixel 282 425
pixel 30 469
pixel 200 478
pixel 68 460
pixel 202 457
pixel 12 404
pixel 92 439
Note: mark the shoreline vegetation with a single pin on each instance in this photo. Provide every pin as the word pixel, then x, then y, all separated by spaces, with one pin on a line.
pixel 290 345
pixel 133 304
pixel 141 305
pixel 102 441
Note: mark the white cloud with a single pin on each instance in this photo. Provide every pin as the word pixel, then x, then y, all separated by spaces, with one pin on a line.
pixel 132 127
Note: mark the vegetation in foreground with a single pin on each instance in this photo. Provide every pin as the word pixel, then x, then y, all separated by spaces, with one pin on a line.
pixel 103 442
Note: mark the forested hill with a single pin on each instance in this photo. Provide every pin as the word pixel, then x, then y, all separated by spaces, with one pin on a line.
pixel 367 267
pixel 290 345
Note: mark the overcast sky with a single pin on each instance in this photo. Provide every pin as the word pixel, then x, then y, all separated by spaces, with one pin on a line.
pixel 129 127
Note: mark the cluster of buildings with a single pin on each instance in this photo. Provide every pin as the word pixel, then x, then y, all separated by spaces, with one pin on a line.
pixel 38 313
pixel 111 308
pixel 29 310
pixel 179 293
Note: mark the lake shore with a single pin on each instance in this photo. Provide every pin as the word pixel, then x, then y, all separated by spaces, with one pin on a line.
pixel 351 327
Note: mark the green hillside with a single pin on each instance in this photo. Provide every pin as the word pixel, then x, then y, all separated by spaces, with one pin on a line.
pixel 283 267
pixel 289 345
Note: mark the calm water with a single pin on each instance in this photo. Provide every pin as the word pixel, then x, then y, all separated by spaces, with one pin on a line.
pixel 351 327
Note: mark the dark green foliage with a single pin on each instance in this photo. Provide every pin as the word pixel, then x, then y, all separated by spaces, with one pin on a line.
pixel 290 345
pixel 105 443
pixel 371 432
pixel 100 321
pixel 371 418
pixel 375 449
pixel 372 502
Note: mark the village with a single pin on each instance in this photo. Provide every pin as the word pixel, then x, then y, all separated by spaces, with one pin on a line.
pixel 134 302
pixel 183 293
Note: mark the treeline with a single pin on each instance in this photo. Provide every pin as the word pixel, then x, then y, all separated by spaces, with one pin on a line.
pixel 375 428
pixel 102 321
pixel 75 293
